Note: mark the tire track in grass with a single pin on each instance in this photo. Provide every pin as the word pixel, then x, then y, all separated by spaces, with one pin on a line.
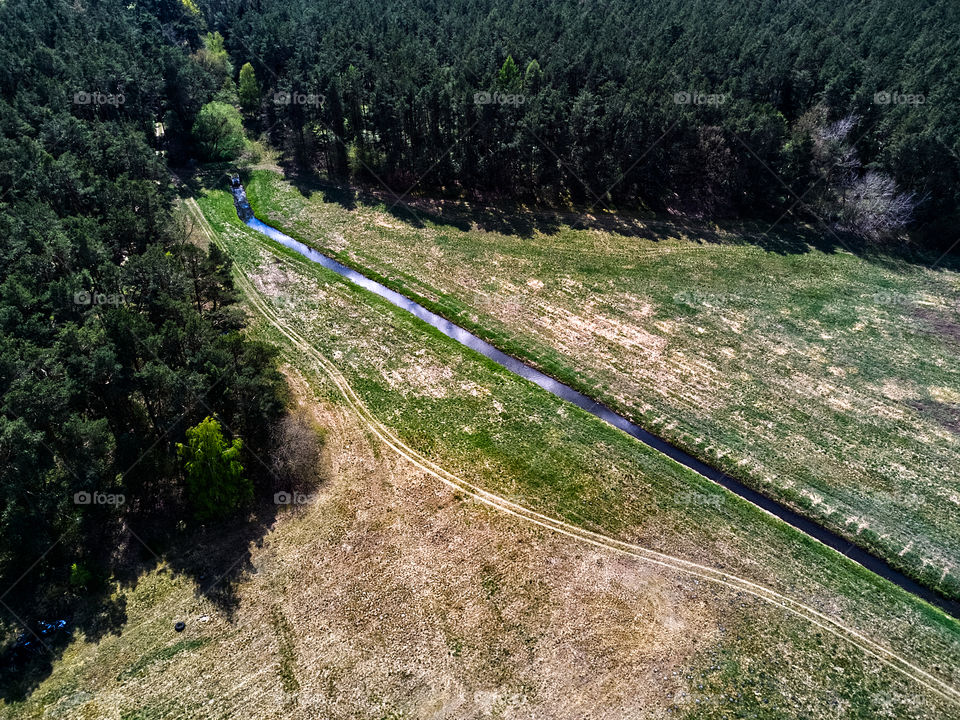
pixel 780 508
pixel 884 655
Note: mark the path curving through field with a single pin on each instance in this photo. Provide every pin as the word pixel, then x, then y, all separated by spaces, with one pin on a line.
pixel 565 392
pixel 886 656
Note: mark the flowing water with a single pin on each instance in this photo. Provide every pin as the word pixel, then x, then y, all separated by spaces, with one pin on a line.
pixel 565 392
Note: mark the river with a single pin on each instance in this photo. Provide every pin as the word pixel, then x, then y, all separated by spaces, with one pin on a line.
pixel 565 392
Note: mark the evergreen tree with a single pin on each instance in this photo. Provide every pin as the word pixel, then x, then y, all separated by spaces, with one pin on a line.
pixel 508 78
pixel 532 78
pixel 248 89
pixel 215 478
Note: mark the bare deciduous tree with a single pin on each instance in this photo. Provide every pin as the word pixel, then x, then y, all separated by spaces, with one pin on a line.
pixel 867 204
pixel 834 156
pixel 295 461
pixel 873 208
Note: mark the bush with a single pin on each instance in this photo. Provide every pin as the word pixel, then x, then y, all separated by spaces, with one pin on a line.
pixel 295 461
pixel 219 131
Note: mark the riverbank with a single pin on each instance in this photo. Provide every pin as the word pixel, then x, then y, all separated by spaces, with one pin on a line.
pixel 819 379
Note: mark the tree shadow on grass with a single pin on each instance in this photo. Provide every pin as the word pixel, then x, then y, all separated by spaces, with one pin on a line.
pixel 509 217
pixel 219 558
pixel 28 655
pixel 215 558
pixel 309 184
pixel 793 235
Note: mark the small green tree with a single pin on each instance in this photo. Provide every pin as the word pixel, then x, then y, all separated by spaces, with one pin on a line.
pixel 508 79
pixel 532 78
pixel 213 57
pixel 219 131
pixel 215 482
pixel 249 90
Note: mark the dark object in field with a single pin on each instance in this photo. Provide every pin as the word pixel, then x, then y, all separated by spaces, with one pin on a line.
pixel 180 626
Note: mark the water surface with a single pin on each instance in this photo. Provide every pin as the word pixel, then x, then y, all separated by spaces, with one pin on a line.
pixel 565 392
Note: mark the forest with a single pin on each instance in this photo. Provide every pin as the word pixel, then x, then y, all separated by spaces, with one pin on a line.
pixel 117 337
pixel 840 115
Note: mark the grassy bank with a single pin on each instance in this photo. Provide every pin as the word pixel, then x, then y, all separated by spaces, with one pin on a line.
pixel 821 378
pixel 500 432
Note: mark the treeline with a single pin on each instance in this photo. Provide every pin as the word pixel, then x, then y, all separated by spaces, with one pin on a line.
pixel 721 107
pixel 116 335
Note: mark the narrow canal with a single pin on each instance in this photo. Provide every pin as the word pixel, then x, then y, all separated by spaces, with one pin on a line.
pixel 565 392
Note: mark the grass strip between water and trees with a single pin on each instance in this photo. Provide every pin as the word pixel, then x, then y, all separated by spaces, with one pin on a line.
pixel 473 418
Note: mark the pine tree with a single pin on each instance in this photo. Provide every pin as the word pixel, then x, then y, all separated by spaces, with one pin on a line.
pixel 532 78
pixel 508 79
pixel 249 90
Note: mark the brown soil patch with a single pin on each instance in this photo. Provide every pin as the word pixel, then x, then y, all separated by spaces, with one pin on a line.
pixel 945 327
pixel 387 593
pixel 947 416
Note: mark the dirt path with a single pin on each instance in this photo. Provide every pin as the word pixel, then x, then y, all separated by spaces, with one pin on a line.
pixel 811 615
pixel 837 538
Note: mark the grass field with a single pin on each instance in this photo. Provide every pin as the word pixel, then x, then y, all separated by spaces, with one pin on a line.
pixel 387 597
pixel 390 595
pixel 822 378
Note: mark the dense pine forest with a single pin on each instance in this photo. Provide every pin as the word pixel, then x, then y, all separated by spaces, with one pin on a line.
pixel 838 113
pixel 116 336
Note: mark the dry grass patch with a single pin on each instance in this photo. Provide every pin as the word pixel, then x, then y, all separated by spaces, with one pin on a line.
pixel 809 375
pixel 388 596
